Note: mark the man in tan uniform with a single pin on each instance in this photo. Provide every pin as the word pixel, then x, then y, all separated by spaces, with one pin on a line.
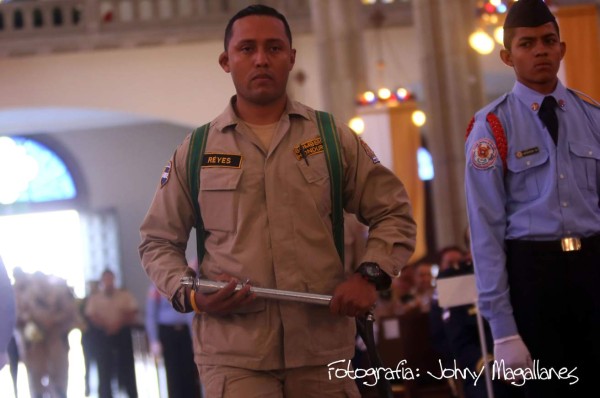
pixel 266 208
pixel 113 311
pixel 46 314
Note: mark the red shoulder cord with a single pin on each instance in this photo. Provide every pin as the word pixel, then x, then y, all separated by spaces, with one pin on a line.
pixel 499 135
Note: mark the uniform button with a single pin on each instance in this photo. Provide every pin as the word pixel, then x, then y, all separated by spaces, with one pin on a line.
pixel 565 204
pixel 528 163
pixel 562 176
pixel 590 153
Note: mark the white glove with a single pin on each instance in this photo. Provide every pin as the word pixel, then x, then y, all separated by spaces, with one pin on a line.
pixel 513 352
pixel 156 349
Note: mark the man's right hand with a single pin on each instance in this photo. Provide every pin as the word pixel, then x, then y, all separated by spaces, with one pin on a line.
pixel 514 353
pixel 225 300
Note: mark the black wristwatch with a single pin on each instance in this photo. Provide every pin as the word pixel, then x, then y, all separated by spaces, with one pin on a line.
pixel 375 275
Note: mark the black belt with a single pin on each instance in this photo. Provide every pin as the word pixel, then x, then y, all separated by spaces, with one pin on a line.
pixel 568 244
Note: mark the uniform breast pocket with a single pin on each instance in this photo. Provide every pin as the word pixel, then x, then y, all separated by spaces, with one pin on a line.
pixel 585 160
pixel 219 198
pixel 316 175
pixel 526 175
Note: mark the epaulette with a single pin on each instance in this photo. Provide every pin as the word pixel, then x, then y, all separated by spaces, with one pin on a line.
pixel 586 98
pixel 483 112
pixel 495 125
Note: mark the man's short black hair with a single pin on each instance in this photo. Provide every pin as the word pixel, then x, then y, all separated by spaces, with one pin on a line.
pixel 509 35
pixel 256 9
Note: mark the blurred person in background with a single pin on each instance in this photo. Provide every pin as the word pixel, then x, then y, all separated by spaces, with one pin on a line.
pixel 90 334
pixel 169 336
pixel 46 313
pixel 7 313
pixel 114 311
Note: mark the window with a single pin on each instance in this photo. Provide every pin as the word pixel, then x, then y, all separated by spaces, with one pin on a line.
pixel 33 173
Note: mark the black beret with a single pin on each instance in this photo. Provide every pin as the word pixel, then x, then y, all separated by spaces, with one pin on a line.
pixel 528 14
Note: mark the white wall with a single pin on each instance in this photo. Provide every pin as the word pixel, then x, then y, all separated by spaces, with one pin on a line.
pixel 180 83
pixel 122 168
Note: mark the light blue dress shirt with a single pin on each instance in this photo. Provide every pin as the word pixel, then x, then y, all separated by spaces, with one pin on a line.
pixel 547 192
pixel 159 311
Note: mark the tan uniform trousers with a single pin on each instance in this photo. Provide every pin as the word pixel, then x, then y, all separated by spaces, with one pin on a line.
pixel 48 358
pixel 304 382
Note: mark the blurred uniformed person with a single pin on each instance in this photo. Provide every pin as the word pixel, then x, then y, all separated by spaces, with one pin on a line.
pixel 266 211
pixel 8 311
pixel 532 187
pixel 46 314
pixel 113 311
pixel 169 335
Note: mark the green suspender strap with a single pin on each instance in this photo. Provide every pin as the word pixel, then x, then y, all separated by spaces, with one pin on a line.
pixel 331 146
pixel 195 155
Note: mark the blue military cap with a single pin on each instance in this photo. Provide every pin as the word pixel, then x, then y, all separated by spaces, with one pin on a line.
pixel 528 14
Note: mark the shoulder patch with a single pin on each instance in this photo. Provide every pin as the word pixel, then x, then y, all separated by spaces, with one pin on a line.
pixel 164 178
pixel 484 154
pixel 369 151
pixel 222 160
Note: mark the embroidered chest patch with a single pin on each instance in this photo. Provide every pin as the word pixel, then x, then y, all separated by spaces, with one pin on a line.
pixel 308 148
pixel 222 160
pixel 369 151
pixel 484 154
pixel 164 178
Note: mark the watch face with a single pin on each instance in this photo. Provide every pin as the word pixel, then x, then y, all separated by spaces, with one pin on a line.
pixel 372 270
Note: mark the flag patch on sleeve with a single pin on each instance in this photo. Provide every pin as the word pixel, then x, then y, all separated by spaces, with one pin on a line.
pixel 164 178
pixel 369 151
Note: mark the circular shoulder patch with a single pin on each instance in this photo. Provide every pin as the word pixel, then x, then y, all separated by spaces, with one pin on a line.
pixel 484 154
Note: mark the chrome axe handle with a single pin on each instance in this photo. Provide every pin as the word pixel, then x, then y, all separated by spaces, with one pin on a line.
pixel 207 286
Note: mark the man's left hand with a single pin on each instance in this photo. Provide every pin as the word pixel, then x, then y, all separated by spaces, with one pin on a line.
pixel 353 297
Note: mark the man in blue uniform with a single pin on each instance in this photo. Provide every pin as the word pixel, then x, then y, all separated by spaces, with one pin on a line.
pixel 8 313
pixel 169 334
pixel 532 186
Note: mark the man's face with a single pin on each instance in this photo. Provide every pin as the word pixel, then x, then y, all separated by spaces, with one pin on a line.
pixel 108 281
pixel 535 55
pixel 259 58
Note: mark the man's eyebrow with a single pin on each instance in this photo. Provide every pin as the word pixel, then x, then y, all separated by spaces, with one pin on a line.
pixel 545 36
pixel 254 41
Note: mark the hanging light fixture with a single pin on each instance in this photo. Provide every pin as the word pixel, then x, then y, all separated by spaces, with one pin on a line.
pixel 490 14
pixel 383 95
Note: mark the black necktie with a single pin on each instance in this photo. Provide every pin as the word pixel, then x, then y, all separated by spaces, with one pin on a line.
pixel 548 115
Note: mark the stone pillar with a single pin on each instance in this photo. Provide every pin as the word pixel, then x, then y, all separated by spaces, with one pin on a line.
pixel 340 51
pixel 453 92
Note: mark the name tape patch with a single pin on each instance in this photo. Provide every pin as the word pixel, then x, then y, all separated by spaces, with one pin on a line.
pixel 527 152
pixel 308 148
pixel 222 160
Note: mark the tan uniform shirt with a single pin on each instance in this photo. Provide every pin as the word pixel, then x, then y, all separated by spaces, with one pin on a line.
pixel 113 311
pixel 268 219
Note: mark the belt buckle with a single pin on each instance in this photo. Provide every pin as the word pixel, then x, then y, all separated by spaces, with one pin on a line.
pixel 570 244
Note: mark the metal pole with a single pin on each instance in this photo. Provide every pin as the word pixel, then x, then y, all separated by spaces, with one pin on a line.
pixel 206 286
